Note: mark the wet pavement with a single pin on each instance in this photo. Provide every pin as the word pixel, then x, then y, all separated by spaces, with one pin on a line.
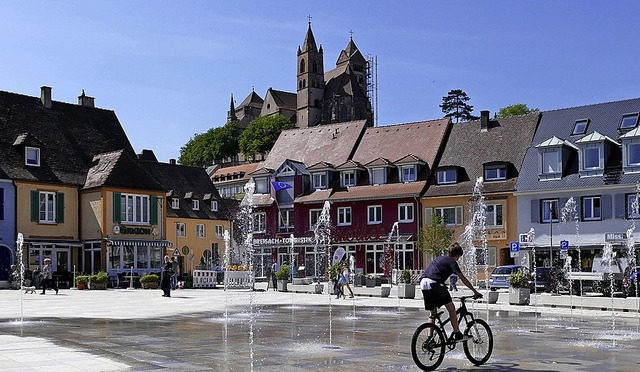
pixel 214 330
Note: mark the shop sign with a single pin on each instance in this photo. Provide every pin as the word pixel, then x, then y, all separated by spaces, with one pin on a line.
pixel 283 241
pixel 615 237
pixel 126 230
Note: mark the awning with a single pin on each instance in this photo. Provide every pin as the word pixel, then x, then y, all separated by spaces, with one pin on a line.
pixel 62 243
pixel 147 242
pixel 582 240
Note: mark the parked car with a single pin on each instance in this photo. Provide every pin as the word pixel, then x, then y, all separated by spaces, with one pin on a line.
pixel 500 274
pixel 630 281
pixel 548 279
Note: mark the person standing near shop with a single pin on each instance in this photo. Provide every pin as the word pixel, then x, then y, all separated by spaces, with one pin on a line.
pixel 165 280
pixel 47 277
pixel 175 266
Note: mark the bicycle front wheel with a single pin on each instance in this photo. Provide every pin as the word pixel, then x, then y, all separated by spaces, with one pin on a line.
pixel 427 346
pixel 479 345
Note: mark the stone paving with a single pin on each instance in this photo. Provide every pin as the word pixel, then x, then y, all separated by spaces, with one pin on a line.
pixel 216 330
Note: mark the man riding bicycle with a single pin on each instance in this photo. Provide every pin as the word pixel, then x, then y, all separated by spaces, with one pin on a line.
pixel 434 290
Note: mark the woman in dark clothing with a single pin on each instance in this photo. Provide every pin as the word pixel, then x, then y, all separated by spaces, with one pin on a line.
pixel 165 280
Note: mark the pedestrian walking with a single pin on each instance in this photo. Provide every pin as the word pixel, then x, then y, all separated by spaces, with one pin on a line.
pixel 47 277
pixel 453 282
pixel 346 273
pixel 175 266
pixel 274 267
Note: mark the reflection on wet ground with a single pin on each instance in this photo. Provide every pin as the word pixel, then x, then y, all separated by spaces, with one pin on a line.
pixel 302 338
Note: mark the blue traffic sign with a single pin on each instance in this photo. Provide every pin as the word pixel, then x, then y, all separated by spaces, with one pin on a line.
pixel 564 244
pixel 514 247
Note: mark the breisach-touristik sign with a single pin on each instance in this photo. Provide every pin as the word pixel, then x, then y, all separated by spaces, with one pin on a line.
pixel 283 241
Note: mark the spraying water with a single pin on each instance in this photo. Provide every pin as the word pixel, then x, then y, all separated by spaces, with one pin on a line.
pixel 19 242
pixel 570 213
pixel 608 256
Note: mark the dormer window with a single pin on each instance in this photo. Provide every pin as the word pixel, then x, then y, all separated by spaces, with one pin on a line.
pixel 629 121
pixel 195 204
pixel 446 176
pixel 32 156
pixel 594 150
pixel 408 173
pixel 378 176
pixel 552 155
pixel 580 127
pixel 495 172
pixel 320 180
pixel 175 203
pixel 348 178
pixel 631 151
pixel 214 205
pixel 262 185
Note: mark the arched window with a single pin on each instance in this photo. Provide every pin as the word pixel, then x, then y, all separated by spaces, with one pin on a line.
pixel 316 103
pixel 315 66
pixel 300 84
pixel 301 65
pixel 304 83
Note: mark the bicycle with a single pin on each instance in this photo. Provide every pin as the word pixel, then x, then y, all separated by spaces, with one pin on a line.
pixel 430 342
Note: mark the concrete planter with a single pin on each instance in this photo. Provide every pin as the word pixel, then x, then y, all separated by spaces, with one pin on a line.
pixel 492 298
pixel 318 288
pixel 519 296
pixel 406 290
pixel 385 291
pixel 282 286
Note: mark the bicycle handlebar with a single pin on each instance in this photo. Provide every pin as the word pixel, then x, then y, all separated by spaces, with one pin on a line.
pixel 464 298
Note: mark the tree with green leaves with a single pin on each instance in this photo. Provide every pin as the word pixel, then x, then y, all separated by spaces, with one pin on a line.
pixel 435 237
pixel 515 109
pixel 455 105
pixel 262 133
pixel 216 144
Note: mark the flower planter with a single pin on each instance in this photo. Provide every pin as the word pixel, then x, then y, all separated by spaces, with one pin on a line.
pixel 370 282
pixel 519 296
pixel 149 285
pixel 318 288
pixel 406 290
pixel 101 286
pixel 385 291
pixel 80 286
pixel 282 285
pixel 492 298
pixel 359 281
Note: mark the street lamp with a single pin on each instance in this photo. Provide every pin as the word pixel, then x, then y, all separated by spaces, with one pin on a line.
pixel 552 215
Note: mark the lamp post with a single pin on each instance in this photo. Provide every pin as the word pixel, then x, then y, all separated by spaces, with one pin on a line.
pixel 552 215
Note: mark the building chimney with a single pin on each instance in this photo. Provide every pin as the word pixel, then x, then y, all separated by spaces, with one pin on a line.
pixel 86 101
pixel 484 120
pixel 45 96
pixel 172 161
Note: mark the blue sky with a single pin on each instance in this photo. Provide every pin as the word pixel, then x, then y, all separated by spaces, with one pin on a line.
pixel 167 68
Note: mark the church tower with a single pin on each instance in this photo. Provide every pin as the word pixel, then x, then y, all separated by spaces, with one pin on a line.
pixel 310 82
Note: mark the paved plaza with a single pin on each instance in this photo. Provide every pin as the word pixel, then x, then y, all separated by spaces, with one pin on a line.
pixel 239 330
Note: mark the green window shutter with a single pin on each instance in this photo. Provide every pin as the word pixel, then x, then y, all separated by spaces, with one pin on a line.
pixel 60 207
pixel 35 206
pixel 117 211
pixel 153 214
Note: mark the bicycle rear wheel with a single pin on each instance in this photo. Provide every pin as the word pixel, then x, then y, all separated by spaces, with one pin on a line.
pixel 427 346
pixel 479 346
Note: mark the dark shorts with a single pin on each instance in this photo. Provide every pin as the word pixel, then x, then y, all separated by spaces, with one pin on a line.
pixel 437 296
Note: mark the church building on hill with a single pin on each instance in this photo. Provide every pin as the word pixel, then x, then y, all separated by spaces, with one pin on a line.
pixel 339 95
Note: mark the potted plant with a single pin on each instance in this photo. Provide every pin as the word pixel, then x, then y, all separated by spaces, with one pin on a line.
pixel 519 290
pixel 81 281
pixel 371 280
pixel 282 277
pixel 99 280
pixel 406 289
pixel 149 281
pixel 359 280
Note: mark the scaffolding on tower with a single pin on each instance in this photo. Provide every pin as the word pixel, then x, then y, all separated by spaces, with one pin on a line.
pixel 372 86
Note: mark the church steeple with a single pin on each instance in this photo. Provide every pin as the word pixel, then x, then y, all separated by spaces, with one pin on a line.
pixel 231 115
pixel 310 82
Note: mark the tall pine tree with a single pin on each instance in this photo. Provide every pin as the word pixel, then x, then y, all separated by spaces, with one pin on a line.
pixel 454 104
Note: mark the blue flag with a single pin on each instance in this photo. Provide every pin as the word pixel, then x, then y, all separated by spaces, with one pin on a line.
pixel 277 186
